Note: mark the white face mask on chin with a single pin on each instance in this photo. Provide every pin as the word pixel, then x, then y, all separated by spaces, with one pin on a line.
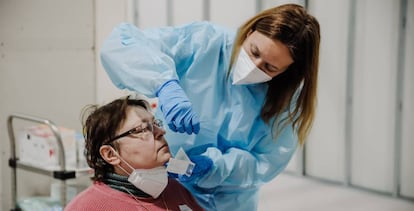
pixel 246 72
pixel 151 181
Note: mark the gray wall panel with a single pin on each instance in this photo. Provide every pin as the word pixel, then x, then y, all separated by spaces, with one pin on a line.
pixel 407 147
pixel 325 149
pixel 374 94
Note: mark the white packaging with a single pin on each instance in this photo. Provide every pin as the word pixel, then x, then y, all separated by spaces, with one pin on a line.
pixel 38 146
pixel 180 164
pixel 80 147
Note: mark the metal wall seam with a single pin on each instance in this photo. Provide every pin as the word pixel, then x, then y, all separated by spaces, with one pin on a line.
pixel 303 160
pixel 170 15
pixel 399 98
pixel 349 92
pixel 259 6
pixel 206 10
pixel 135 12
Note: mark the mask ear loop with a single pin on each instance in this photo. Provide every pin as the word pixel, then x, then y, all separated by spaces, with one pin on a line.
pixel 119 156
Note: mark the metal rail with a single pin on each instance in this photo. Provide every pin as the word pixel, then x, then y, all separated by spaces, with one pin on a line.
pixel 62 174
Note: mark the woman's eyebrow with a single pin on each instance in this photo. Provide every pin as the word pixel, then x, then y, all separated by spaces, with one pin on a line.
pixel 146 120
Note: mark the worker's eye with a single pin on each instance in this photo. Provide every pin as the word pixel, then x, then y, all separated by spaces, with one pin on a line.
pixel 270 68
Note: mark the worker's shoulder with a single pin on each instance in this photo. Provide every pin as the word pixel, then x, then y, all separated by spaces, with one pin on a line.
pixel 206 25
pixel 206 28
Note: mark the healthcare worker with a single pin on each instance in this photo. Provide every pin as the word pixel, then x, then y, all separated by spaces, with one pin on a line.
pixel 246 99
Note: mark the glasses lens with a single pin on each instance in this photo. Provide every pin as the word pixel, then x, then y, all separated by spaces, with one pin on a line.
pixel 158 123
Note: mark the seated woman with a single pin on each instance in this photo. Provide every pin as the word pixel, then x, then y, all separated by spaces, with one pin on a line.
pixel 126 147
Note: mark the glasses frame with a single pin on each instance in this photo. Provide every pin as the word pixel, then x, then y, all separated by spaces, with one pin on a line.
pixel 137 130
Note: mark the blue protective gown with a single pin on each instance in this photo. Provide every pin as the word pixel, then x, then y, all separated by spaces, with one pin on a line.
pixel 232 134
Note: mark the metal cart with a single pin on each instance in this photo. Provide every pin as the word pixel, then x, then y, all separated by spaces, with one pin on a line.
pixel 61 174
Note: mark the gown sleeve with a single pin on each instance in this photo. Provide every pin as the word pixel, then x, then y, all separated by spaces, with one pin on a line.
pixel 235 168
pixel 142 60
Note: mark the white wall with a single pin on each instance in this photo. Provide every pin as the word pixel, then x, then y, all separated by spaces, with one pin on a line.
pixel 362 61
pixel 47 69
pixel 374 94
pixel 325 148
pixel 185 11
pixel 108 14
pixel 50 68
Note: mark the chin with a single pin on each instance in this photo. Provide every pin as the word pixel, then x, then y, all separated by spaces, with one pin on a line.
pixel 167 156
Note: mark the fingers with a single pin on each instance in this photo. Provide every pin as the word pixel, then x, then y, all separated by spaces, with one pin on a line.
pixel 182 119
pixel 185 122
pixel 195 122
pixel 191 123
pixel 172 127
pixel 181 128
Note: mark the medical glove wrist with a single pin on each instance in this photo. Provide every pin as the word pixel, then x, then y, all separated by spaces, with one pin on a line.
pixel 177 108
pixel 203 165
pixel 172 175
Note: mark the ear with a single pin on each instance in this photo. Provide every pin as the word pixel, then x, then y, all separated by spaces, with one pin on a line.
pixel 109 155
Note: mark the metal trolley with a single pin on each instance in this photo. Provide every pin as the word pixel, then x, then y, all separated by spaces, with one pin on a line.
pixel 61 174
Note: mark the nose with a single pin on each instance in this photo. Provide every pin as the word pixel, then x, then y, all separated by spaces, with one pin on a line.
pixel 158 132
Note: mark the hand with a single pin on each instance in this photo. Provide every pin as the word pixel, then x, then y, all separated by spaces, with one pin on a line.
pixel 177 108
pixel 203 165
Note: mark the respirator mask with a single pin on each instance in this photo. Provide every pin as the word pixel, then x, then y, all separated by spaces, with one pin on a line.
pixel 246 72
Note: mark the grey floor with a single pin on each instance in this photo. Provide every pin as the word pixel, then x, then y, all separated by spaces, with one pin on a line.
pixel 294 193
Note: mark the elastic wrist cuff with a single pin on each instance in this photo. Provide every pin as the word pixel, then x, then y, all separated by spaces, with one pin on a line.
pixel 165 84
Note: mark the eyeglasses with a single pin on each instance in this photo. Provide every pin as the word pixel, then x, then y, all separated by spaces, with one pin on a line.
pixel 140 130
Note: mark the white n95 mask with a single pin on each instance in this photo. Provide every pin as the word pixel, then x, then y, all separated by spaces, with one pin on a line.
pixel 151 181
pixel 246 72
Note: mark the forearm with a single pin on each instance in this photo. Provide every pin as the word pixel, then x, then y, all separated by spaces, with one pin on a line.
pixel 241 168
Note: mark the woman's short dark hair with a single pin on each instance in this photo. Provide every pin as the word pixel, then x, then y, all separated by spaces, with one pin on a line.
pixel 100 124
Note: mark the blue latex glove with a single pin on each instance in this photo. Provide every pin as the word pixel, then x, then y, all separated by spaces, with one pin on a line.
pixel 177 108
pixel 172 175
pixel 203 165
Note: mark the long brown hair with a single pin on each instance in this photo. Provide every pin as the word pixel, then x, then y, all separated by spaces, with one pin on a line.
pixel 299 31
